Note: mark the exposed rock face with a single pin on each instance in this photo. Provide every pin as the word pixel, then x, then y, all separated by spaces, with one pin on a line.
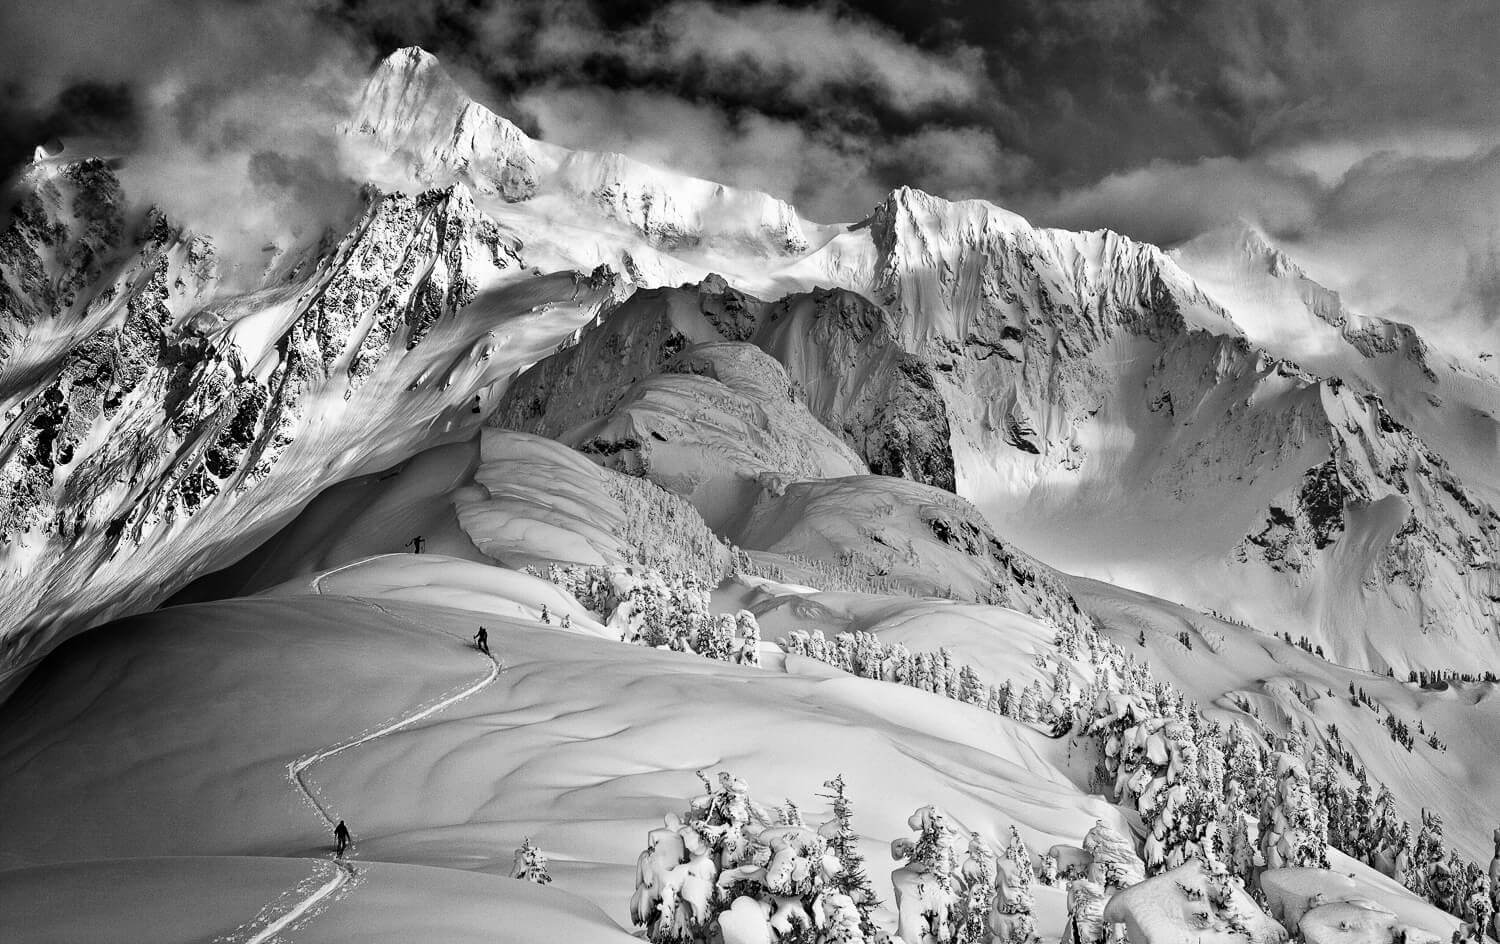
pixel 846 358
pixel 1383 486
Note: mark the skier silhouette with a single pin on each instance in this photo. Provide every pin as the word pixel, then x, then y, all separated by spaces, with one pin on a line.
pixel 482 640
pixel 341 839
pixel 416 543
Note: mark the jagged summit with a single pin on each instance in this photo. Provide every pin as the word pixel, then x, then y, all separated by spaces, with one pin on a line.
pixel 967 270
pixel 413 109
pixel 1283 306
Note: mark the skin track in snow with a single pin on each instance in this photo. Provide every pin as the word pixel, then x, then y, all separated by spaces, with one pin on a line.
pixel 344 873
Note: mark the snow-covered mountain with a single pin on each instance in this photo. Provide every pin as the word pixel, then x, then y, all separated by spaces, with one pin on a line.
pixel 156 428
pixel 794 498
pixel 1083 390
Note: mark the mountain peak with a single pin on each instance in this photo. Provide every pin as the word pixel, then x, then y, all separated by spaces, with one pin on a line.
pixel 414 109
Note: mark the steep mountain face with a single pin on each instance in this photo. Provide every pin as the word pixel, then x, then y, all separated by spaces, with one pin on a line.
pixel 840 353
pixel 1286 312
pixel 156 427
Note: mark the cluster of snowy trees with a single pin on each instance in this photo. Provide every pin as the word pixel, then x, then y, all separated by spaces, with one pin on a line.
pixel 666 534
pixel 665 610
pixel 977 897
pixel 849 573
pixel 1303 644
pixel 1238 801
pixel 863 654
pixel 1214 792
pixel 731 871
pixel 1439 678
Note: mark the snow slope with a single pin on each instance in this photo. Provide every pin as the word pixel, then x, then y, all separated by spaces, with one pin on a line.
pixel 583 744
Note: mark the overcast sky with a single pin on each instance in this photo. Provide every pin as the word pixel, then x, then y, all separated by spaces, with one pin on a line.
pixel 1364 135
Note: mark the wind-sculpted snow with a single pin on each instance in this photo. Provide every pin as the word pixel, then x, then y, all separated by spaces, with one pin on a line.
pixel 176 426
pixel 714 426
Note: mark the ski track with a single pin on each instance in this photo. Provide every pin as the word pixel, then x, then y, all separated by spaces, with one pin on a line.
pixel 344 874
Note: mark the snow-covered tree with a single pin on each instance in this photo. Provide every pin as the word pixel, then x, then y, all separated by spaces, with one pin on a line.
pixel 851 879
pixel 926 899
pixel 749 632
pixel 1085 913
pixel 530 864
pixel 1012 921
pixel 1115 864
pixel 978 876
pixel 729 872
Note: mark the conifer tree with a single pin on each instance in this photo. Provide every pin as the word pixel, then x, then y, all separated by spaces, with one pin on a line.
pixel 530 864
pixel 843 842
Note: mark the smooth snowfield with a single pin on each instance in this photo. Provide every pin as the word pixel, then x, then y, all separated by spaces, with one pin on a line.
pixel 583 745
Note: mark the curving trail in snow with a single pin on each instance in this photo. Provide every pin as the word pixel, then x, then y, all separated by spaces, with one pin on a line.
pixel 343 873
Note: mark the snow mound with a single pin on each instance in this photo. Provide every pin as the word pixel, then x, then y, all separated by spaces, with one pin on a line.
pixel 1190 903
pixel 1352 904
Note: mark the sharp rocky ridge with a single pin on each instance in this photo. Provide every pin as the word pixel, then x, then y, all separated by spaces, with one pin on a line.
pixel 1095 397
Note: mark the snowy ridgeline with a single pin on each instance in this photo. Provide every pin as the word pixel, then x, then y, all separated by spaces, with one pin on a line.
pixel 1221 807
